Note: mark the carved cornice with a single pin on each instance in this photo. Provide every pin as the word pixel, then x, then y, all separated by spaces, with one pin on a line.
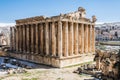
pixel 32 19
pixel 73 16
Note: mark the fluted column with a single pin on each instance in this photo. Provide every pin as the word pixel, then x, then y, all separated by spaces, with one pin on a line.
pixel 14 39
pixel 66 39
pixel 11 38
pixel 53 40
pixel 93 37
pixel 25 30
pixel 28 45
pixel 82 38
pixel 89 38
pixel 17 38
pixel 60 39
pixel 47 38
pixel 18 29
pixel 71 39
pixel 76 38
pixel 79 40
pixel 23 39
pixel 86 38
pixel 37 51
pixel 41 38
pixel 32 39
pixel 20 38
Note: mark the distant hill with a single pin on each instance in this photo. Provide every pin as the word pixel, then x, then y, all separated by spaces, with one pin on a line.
pixel 108 24
pixel 6 24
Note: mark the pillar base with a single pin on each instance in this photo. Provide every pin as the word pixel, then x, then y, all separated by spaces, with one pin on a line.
pixel 54 61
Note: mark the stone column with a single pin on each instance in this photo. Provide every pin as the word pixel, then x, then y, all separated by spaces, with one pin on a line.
pixel 53 40
pixel 79 40
pixel 89 38
pixel 37 51
pixel 28 45
pixel 60 39
pixel 93 37
pixel 32 39
pixel 47 38
pixel 86 38
pixel 41 38
pixel 82 38
pixel 25 29
pixel 11 39
pixel 23 39
pixel 76 38
pixel 66 39
pixel 20 39
pixel 14 39
pixel 17 36
pixel 71 39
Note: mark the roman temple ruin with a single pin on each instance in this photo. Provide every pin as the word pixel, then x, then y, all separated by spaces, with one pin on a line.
pixel 59 41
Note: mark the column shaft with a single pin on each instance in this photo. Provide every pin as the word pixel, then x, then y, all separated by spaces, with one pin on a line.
pixel 89 38
pixel 76 38
pixel 23 39
pixel 86 39
pixel 17 38
pixel 32 39
pixel 82 38
pixel 28 46
pixel 37 51
pixel 66 39
pixel 11 39
pixel 41 38
pixel 71 39
pixel 60 39
pixel 53 40
pixel 47 38
pixel 14 39
pixel 50 38
pixel 93 41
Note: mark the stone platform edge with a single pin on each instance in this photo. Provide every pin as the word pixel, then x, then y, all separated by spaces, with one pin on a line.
pixel 54 61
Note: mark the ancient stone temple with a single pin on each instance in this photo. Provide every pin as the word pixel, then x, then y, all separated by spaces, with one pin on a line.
pixel 59 41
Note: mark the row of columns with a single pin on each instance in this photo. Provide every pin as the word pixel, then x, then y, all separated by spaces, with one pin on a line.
pixel 59 39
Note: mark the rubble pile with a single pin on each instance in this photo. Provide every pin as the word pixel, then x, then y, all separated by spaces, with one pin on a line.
pixel 106 66
pixel 108 62
pixel 12 66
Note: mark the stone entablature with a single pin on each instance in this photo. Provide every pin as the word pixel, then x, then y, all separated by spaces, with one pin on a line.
pixel 77 16
pixel 58 41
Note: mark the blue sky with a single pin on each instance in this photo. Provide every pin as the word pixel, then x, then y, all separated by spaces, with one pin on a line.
pixel 105 10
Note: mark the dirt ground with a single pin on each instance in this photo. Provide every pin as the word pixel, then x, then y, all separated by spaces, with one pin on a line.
pixel 48 73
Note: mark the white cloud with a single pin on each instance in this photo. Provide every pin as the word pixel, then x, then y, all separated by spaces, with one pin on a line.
pixel 6 24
